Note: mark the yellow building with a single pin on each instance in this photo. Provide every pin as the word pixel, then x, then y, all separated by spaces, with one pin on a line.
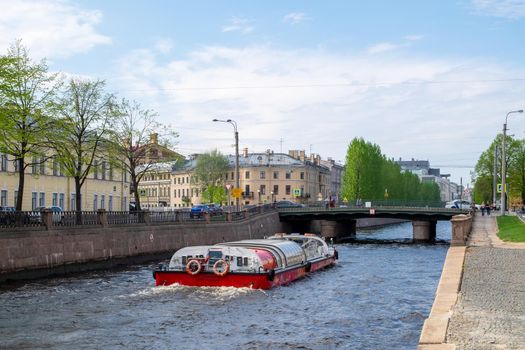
pixel 264 178
pixel 45 185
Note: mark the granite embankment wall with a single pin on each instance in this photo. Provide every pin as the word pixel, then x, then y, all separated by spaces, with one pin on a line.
pixel 30 254
pixel 37 253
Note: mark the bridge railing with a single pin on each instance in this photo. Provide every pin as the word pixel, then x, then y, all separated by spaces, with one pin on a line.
pixel 366 203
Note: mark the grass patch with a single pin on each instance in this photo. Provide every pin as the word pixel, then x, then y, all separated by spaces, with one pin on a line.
pixel 511 229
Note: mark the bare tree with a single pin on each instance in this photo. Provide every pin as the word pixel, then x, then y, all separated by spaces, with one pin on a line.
pixel 131 144
pixel 27 102
pixel 86 111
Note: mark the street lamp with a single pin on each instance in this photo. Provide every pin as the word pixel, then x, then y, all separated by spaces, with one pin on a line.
pixel 237 180
pixel 504 164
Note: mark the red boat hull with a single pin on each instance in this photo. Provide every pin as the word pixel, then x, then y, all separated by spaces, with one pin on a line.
pixel 239 280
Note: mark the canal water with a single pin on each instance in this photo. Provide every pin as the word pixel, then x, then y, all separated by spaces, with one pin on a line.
pixel 377 297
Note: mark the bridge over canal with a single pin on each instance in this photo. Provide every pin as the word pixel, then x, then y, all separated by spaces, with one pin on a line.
pixel 340 223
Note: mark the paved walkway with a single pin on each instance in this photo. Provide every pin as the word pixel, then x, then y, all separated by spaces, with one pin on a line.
pixel 490 310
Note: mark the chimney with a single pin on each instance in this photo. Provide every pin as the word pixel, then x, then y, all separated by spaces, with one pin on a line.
pixel 154 138
pixel 245 152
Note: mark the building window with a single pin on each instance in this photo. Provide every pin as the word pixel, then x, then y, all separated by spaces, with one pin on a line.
pixel 61 200
pixel 276 175
pixel 110 203
pixel 288 175
pixel 187 179
pixel 73 201
pixel 178 192
pixel 42 199
pixel 34 166
pixel 263 189
pixel 16 197
pixel 233 176
pixel 3 198
pixel 247 189
pixel 174 193
pixel 103 201
pixel 42 166
pixel 16 164
pixel 55 166
pixel 288 189
pixel 54 199
pixel 125 206
pixel 95 202
pixel 34 196
pixel 262 175
pixel 104 170
pixel 95 169
pixel 110 172
pixel 302 175
pixel 125 175
pixel 276 189
pixel 247 175
pixel 62 170
pixel 3 162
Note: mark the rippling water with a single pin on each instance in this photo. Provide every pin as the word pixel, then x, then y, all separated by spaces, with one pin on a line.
pixel 375 298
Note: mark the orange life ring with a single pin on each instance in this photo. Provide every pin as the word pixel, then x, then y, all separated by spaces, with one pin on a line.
pixel 193 267
pixel 225 267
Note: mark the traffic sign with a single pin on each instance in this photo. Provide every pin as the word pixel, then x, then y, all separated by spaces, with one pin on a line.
pixel 228 186
pixel 296 192
pixel 237 193
pixel 499 188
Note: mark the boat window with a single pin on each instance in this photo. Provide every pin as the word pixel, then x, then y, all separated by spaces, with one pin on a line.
pixel 215 255
pixel 239 261
pixel 245 262
pixel 184 260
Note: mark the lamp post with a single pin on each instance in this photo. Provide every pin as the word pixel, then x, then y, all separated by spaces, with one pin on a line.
pixel 237 180
pixel 504 164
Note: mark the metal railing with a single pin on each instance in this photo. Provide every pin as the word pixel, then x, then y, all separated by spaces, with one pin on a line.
pixel 69 219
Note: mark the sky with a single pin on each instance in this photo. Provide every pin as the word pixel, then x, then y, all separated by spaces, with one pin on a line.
pixel 429 80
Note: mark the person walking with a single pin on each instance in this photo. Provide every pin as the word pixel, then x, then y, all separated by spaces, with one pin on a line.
pixel 483 209
pixel 487 208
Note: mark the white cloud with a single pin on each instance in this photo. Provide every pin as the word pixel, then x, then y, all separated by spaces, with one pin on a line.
pixel 164 45
pixel 382 47
pixel 412 107
pixel 238 24
pixel 511 9
pixel 295 17
pixel 50 28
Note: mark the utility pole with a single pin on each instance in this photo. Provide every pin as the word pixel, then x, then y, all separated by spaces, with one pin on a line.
pixel 495 176
pixel 504 165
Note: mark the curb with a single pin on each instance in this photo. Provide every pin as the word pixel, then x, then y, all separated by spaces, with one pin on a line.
pixel 434 332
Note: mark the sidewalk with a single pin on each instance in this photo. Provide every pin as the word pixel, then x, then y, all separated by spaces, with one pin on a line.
pixel 490 309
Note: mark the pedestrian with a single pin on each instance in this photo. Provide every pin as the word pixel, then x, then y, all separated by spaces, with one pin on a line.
pixel 487 207
pixel 483 209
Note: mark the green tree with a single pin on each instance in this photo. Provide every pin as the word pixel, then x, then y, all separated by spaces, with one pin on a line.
pixel 27 103
pixel 210 174
pixel 129 134
pixel 86 112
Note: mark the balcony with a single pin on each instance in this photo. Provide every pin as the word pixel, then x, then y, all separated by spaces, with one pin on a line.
pixel 247 195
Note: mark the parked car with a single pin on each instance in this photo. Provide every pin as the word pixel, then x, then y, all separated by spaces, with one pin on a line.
pixel 288 204
pixel 197 211
pixel 7 215
pixel 458 204
pixel 215 209
pixel 36 216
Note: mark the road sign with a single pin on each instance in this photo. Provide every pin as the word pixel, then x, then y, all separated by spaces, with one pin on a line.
pixel 228 186
pixel 237 193
pixel 372 211
pixel 296 192
pixel 499 188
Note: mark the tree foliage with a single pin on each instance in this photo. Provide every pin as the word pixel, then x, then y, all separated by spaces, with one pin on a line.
pixel 130 141
pixel 27 103
pixel 370 175
pixel 210 174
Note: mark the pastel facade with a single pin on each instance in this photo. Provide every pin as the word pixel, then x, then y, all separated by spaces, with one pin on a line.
pixel 264 178
pixel 46 184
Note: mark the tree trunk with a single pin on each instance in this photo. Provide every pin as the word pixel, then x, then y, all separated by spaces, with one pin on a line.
pixel 136 193
pixel 78 200
pixel 21 180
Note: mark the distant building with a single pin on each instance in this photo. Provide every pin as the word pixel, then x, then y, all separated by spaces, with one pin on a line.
pixel 264 178
pixel 448 190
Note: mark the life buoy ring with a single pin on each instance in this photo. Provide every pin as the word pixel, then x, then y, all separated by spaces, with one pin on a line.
pixel 221 264
pixel 193 267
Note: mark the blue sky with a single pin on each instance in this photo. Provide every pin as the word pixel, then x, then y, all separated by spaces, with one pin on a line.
pixel 422 79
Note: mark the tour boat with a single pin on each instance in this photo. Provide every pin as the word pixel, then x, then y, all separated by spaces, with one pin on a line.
pixel 255 263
